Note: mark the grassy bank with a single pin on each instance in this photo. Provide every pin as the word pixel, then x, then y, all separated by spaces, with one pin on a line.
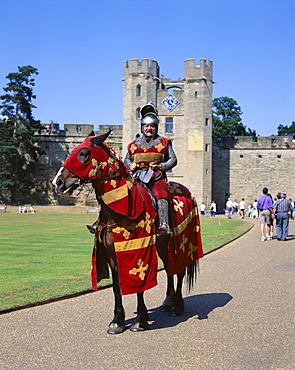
pixel 48 255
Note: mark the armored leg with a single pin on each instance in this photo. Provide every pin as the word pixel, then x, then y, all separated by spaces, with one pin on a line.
pixel 163 217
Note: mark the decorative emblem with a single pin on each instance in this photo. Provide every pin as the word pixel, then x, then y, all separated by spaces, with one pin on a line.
pixel 183 243
pixel 173 188
pixel 192 250
pixel 178 206
pixel 97 167
pixel 170 102
pixel 159 147
pixel 142 270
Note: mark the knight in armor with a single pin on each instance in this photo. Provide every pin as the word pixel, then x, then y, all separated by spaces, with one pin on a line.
pixel 148 158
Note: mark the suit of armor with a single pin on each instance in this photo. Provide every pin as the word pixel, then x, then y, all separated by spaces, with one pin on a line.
pixel 148 158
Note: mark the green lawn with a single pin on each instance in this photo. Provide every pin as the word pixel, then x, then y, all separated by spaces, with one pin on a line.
pixel 43 256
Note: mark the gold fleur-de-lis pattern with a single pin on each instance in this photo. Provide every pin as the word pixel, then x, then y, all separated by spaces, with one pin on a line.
pixel 183 243
pixel 192 250
pixel 133 148
pixel 178 206
pixel 127 227
pixel 159 147
pixel 141 269
pixel 96 170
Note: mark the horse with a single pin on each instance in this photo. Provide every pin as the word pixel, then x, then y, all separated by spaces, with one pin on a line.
pixel 126 207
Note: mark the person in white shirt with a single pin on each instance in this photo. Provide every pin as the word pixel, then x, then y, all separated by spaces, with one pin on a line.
pixel 202 209
pixel 242 206
pixel 213 209
pixel 229 207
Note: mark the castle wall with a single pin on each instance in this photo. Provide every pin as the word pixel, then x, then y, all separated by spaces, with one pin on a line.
pixel 58 144
pixel 242 168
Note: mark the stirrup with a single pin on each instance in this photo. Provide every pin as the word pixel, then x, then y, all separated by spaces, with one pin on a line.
pixel 163 229
pixel 91 228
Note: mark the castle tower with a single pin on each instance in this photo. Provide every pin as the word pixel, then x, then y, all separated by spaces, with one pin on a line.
pixel 185 117
pixel 140 84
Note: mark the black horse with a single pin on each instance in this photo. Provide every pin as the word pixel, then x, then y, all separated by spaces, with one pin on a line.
pixel 95 161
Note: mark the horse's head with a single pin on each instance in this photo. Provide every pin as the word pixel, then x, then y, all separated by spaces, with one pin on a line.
pixel 91 160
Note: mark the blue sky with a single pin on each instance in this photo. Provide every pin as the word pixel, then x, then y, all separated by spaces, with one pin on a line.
pixel 79 46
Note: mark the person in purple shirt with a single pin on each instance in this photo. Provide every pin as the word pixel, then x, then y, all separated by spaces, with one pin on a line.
pixel 265 205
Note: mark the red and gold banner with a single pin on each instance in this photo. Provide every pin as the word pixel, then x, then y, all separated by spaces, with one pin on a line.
pixel 185 245
pixel 135 247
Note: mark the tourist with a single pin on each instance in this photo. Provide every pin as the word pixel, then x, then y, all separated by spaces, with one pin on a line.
pixel 212 209
pixel 242 206
pixel 202 209
pixel 265 205
pixel 235 207
pixel 229 207
pixel 281 210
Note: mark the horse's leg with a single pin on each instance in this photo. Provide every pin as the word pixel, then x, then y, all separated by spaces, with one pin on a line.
pixel 117 325
pixel 170 293
pixel 162 249
pixel 178 304
pixel 140 323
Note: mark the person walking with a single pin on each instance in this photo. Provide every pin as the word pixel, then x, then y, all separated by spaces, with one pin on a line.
pixel 213 209
pixel 271 226
pixel 229 207
pixel 265 206
pixel 202 209
pixel 281 209
pixel 242 206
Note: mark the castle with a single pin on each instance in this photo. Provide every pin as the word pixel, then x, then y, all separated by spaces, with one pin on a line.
pixel 213 170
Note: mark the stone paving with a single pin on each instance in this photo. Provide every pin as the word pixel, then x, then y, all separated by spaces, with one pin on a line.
pixel 240 315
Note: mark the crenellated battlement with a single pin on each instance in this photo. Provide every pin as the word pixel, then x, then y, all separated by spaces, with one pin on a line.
pixel 146 66
pixel 261 142
pixel 193 71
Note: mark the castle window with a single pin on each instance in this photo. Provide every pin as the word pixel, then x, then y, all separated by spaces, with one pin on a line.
pixel 279 156
pixel 206 121
pixel 207 171
pixel 138 113
pixel 138 90
pixel 241 156
pixel 169 125
pixel 196 94
pixel 78 129
pixel 206 147
pixel 260 156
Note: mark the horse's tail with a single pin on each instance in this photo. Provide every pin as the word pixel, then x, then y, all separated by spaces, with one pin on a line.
pixel 191 272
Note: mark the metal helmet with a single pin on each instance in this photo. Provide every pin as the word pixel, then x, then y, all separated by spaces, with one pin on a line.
pixel 149 115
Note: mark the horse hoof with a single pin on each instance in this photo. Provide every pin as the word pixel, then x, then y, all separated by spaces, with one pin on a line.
pixel 176 311
pixel 116 329
pixel 137 326
pixel 166 308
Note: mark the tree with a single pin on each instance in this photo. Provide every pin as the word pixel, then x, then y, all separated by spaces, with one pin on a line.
pixel 287 130
pixel 18 144
pixel 226 119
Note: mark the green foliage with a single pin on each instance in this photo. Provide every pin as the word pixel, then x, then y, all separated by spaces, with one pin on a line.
pixel 287 130
pixel 226 119
pixel 18 144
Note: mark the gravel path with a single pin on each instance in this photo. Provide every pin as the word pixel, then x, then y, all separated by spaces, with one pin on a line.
pixel 239 316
